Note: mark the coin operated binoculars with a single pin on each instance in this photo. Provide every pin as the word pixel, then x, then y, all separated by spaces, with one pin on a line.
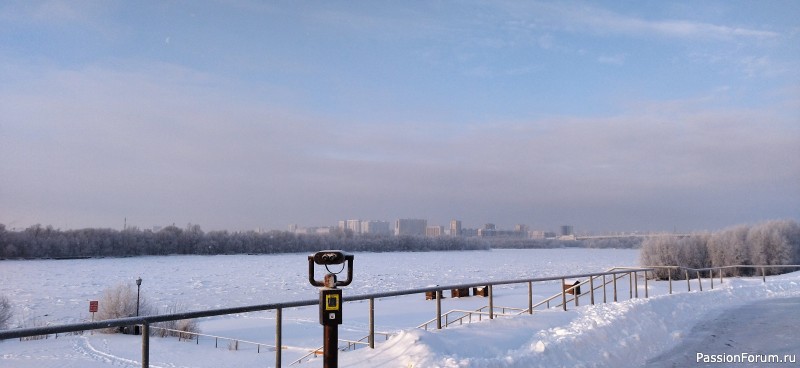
pixel 330 299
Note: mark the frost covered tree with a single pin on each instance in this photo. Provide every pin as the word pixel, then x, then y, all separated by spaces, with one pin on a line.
pixel 774 243
pixel 5 312
pixel 730 247
pixel 769 243
pixel 691 252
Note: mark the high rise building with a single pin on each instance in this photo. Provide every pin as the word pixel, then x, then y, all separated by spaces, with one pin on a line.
pixel 434 231
pixel 455 228
pixel 567 230
pixel 375 227
pixel 410 227
pixel 354 226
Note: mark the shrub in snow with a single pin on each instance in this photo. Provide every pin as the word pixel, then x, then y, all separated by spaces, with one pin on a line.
pixel 769 243
pixel 5 312
pixel 184 328
pixel 120 302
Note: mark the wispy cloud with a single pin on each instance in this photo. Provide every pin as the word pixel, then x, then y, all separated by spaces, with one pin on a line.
pixel 586 17
pixel 618 59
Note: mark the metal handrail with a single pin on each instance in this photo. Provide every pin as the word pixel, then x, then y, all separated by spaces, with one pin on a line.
pixel 182 335
pixel 573 287
pixel 468 314
pixel 350 346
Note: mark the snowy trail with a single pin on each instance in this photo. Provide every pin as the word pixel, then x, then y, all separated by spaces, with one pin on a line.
pixel 732 333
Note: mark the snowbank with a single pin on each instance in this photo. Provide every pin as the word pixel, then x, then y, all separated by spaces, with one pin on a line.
pixel 621 334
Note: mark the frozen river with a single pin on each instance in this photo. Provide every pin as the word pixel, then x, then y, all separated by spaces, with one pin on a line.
pixel 59 290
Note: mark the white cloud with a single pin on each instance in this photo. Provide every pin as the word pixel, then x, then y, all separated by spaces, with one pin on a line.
pixel 585 17
pixel 618 59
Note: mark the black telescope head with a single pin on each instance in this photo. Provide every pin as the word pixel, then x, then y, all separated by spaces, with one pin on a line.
pixel 330 257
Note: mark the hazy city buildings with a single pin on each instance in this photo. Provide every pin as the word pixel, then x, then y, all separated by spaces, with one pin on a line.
pixel 413 227
pixel 455 228
pixel 376 227
pixel 434 231
pixel 353 225
pixel 419 227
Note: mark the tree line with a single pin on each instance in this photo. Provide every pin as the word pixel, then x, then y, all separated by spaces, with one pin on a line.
pixel 40 241
pixel 774 242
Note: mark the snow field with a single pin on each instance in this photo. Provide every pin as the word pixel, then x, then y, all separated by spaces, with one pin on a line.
pixel 620 334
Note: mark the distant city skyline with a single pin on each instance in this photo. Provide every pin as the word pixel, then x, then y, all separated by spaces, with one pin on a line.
pixel 237 115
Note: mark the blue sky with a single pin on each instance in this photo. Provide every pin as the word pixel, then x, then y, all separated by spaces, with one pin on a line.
pixel 610 116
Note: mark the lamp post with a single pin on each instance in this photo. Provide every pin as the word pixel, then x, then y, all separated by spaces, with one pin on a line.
pixel 138 285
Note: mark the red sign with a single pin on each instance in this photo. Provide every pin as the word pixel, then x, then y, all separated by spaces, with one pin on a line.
pixel 93 306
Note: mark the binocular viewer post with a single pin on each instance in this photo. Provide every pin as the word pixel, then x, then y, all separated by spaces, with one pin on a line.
pixel 330 300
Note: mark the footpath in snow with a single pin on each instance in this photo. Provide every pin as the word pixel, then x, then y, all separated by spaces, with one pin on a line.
pixel 748 334
pixel 624 334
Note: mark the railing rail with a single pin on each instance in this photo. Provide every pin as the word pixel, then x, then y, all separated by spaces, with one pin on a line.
pixel 232 341
pixel 616 274
pixel 351 345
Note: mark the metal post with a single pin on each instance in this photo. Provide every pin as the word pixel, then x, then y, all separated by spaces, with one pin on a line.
pixel 630 286
pixel 278 336
pixel 145 345
pixel 604 288
pixel 688 284
pixel 720 275
pixel 438 309
pixel 711 277
pixel 636 284
pixel 530 297
pixel 700 280
pixel 372 323
pixel 576 294
pixel 763 275
pixel 491 301
pixel 615 287
pixel 669 272
pixel 591 287
pixel 330 347
pixel 646 291
pixel 563 294
pixel 138 284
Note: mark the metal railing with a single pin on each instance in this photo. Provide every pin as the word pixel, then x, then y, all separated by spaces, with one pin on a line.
pixel 233 343
pixel 698 273
pixel 615 274
pixel 351 345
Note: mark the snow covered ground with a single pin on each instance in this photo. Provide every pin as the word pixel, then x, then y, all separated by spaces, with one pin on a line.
pixel 624 334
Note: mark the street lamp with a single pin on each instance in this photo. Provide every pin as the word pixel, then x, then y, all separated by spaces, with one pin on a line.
pixel 138 284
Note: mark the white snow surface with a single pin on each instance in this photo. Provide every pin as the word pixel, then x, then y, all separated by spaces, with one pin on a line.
pixel 622 334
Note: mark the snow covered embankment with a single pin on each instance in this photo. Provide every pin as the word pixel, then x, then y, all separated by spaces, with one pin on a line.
pixel 623 334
